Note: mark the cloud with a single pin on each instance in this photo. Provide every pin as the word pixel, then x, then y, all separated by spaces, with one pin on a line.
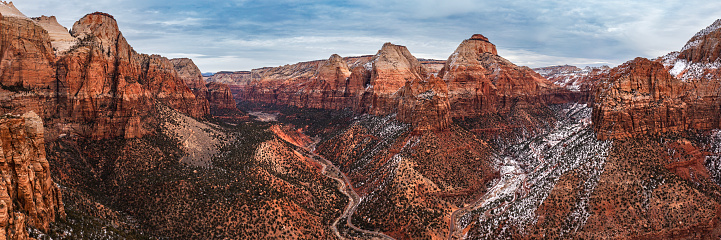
pixel 257 33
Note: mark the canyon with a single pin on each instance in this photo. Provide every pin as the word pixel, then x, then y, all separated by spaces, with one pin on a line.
pixel 98 141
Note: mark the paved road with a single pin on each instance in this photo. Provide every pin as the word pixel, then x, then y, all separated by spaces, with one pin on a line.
pixel 331 171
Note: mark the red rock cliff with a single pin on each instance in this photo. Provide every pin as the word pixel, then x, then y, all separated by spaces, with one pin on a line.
pixel 676 92
pixel 479 81
pixel 218 95
pixel 99 88
pixel 28 195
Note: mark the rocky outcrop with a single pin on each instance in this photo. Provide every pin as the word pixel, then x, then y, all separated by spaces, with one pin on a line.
pixel 60 37
pixel 28 195
pixel 425 104
pixel 218 95
pixel 480 82
pixel 190 73
pixel 8 9
pixel 104 82
pixel 98 88
pixel 676 92
pixel 705 46
pixel 392 68
pixel 26 56
pixel 639 97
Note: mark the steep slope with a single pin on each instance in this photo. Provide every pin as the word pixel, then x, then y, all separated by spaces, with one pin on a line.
pixel 29 199
pixel 218 95
pixel 493 97
pixel 104 82
pixel 409 181
pixel 679 91
pixel 481 82
pixel 60 37
pixel 565 183
pixel 98 88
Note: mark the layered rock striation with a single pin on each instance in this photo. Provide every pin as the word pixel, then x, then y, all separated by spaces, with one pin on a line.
pixel 473 82
pixel 92 83
pixel 481 82
pixel 676 92
pixel 28 195
pixel 217 95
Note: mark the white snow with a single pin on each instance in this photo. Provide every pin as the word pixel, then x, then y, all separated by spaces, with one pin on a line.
pixel 678 67
pixel 530 171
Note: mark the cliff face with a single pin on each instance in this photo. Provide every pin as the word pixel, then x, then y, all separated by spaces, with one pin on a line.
pixel 28 195
pixel 26 56
pixel 425 104
pixel 640 97
pixel 98 87
pixel 217 95
pixel 476 83
pixel 480 82
pixel 104 82
pixel 60 38
pixel 676 92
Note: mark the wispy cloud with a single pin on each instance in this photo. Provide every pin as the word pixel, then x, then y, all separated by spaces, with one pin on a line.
pixel 245 34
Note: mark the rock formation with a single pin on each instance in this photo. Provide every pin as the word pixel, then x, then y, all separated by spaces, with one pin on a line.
pixel 640 97
pixel 28 195
pixel 60 37
pixel 424 103
pixel 391 69
pixel 8 9
pixel 217 95
pixel 105 82
pixel 480 82
pixel 676 92
pixel 573 78
pixel 98 87
pixel 26 56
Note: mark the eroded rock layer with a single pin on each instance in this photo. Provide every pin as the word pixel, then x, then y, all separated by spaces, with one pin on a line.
pixel 676 92
pixel 217 95
pixel 99 87
pixel 28 195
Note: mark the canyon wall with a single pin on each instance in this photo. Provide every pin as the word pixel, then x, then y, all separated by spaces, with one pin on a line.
pixel 89 81
pixel 476 82
pixel 28 195
pixel 676 92
pixel 217 95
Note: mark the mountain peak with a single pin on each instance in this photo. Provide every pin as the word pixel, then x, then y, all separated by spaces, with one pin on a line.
pixel 479 37
pixel 7 9
pixel 705 46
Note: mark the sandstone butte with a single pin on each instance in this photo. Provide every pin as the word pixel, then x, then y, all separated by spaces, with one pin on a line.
pixel 89 81
pixel 675 92
pixel 28 195
pixel 473 81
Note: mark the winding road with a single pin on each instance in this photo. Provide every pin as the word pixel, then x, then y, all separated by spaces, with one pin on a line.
pixel 331 171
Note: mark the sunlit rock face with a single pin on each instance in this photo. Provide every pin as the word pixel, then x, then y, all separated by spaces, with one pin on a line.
pixel 676 92
pixel 88 82
pixel 28 195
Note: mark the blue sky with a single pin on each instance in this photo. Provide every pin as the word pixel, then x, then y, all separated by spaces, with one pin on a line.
pixel 246 34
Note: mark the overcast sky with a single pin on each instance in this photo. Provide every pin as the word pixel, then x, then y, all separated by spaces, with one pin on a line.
pixel 246 34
